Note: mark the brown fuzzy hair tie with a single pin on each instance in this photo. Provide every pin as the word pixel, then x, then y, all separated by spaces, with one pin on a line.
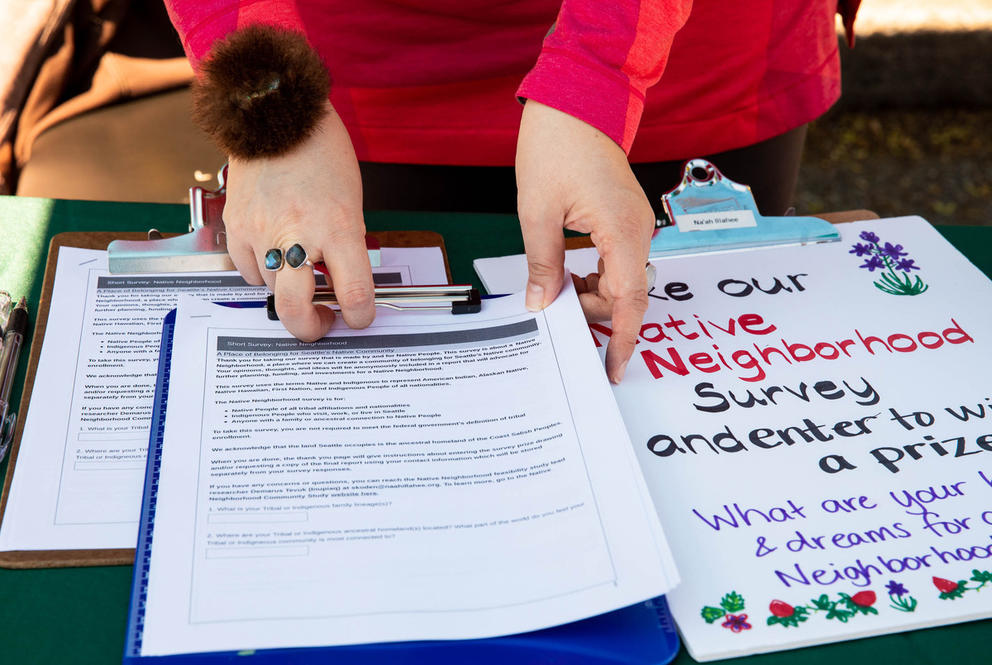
pixel 261 92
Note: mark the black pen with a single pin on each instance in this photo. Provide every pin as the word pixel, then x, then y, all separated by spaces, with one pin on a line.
pixel 13 338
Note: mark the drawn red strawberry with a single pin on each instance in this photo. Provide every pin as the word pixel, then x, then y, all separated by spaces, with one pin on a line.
pixel 944 585
pixel 863 598
pixel 781 609
pixel 949 589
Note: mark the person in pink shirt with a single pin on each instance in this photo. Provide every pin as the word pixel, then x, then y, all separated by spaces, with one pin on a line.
pixel 299 93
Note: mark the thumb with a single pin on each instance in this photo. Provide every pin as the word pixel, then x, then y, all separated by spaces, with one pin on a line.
pixel 544 243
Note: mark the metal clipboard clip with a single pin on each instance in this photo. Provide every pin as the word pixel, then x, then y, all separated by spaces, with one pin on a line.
pixel 712 213
pixel 203 249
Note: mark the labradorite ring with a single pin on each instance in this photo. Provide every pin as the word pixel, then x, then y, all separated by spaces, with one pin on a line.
pixel 273 260
pixel 296 256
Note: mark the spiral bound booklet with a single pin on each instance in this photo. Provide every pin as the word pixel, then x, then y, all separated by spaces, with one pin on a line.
pixel 417 489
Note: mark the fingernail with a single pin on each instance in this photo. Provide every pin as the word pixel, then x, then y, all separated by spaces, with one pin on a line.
pixel 535 297
pixel 618 374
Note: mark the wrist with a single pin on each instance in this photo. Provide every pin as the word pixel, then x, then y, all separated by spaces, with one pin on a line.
pixel 542 126
pixel 261 92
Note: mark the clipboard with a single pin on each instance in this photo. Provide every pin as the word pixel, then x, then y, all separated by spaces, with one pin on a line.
pixel 584 241
pixel 711 213
pixel 100 240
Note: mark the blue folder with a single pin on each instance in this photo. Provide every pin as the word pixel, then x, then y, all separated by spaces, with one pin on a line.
pixel 641 634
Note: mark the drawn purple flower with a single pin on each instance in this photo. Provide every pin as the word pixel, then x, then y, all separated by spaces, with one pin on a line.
pixel 907 265
pixel 889 258
pixel 872 263
pixel 896 589
pixel 892 251
pixel 736 622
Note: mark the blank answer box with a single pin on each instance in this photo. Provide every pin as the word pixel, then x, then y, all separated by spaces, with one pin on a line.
pixel 136 435
pixel 257 552
pixel 255 518
pixel 109 465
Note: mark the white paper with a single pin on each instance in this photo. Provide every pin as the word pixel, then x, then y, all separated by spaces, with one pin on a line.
pixel 508 274
pixel 432 477
pixel 78 479
pixel 910 519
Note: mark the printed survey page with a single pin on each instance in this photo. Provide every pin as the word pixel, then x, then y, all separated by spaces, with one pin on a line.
pixel 431 477
pixel 78 478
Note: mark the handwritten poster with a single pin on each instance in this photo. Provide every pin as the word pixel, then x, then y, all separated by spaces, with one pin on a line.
pixel 815 426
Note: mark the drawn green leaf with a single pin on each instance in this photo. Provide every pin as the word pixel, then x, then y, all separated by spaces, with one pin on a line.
pixel 711 614
pixel 732 602
pixel 785 622
pixel 821 603
pixel 886 289
pixel 983 577
pixel 799 615
pixel 891 281
pixel 907 604
pixel 839 613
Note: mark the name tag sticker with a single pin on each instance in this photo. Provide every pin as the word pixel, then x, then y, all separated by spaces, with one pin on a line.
pixel 711 221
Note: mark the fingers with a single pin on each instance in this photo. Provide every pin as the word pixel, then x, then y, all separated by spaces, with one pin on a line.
pixel 294 303
pixel 628 314
pixel 624 285
pixel 346 256
pixel 595 306
pixel 347 259
pixel 245 261
pixel 626 311
pixel 587 284
pixel 545 247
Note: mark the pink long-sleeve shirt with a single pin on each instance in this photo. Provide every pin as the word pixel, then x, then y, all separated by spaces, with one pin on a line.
pixel 438 81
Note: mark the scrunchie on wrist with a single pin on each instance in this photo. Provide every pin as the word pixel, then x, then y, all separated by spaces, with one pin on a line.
pixel 261 92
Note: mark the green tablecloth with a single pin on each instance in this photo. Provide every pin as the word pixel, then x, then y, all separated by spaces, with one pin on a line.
pixel 78 615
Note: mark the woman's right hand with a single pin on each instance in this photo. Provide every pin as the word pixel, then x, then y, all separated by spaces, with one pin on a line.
pixel 312 196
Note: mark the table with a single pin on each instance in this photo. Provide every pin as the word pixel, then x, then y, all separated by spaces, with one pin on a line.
pixel 78 615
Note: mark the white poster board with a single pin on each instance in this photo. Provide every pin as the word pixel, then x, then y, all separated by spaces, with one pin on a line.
pixel 818 447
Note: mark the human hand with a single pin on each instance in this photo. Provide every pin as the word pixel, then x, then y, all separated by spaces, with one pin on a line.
pixel 311 195
pixel 571 175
